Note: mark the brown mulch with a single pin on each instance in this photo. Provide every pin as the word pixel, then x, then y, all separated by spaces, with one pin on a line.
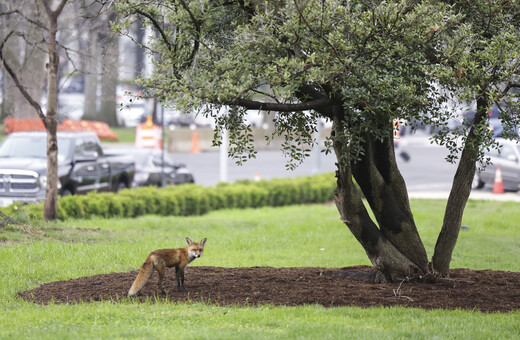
pixel 484 290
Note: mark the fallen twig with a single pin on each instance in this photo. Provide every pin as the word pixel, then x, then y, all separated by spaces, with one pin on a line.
pixel 399 293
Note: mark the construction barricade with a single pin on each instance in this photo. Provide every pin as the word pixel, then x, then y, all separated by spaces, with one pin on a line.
pixel 148 135
pixel 102 129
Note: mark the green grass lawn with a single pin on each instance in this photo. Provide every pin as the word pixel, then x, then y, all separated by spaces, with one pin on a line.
pixel 310 235
pixel 125 135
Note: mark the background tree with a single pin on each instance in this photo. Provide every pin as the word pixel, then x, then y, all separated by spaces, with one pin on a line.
pixel 101 62
pixel 109 70
pixel 91 46
pixel 25 54
pixel 28 34
pixel 360 64
pixel 49 118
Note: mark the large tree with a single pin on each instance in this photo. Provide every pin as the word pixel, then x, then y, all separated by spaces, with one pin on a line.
pixel 360 64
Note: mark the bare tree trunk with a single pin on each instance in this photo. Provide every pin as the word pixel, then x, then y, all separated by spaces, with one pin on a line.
pixel 459 195
pixel 394 255
pixel 109 72
pixel 51 119
pixel 109 80
pixel 91 76
pixel 139 50
pixel 385 190
pixel 91 62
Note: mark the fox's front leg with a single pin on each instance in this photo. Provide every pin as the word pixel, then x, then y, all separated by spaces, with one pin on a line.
pixel 179 274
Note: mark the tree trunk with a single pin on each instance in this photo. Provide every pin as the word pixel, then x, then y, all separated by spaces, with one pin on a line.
pixel 109 75
pixel 51 119
pixel 394 248
pixel 51 123
pixel 91 77
pixel 140 52
pixel 91 62
pixel 459 194
pixel 109 79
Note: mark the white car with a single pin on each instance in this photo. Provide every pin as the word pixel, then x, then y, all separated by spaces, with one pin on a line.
pixel 131 114
pixel 508 158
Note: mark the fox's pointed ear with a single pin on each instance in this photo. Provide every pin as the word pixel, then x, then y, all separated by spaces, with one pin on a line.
pixel 189 241
pixel 203 242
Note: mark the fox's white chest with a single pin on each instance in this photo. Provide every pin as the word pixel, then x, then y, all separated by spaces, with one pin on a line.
pixel 192 256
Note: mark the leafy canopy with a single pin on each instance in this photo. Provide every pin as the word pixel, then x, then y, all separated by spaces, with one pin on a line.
pixel 374 61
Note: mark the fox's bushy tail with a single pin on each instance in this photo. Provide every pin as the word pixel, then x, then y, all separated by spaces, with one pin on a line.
pixel 142 278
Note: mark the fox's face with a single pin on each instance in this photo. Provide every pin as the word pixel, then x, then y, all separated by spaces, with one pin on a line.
pixel 195 249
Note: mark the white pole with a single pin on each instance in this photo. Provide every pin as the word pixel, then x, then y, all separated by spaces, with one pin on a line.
pixel 163 179
pixel 317 149
pixel 224 156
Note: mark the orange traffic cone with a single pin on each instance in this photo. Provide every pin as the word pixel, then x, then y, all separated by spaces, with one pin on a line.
pixel 195 146
pixel 498 186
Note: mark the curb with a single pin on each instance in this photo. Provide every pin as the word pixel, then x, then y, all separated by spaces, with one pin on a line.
pixel 475 195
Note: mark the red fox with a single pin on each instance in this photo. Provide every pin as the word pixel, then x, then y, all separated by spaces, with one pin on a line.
pixel 162 258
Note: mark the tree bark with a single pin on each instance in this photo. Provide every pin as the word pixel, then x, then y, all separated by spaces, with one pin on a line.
pixel 51 119
pixel 385 190
pixel 393 255
pixel 51 123
pixel 459 194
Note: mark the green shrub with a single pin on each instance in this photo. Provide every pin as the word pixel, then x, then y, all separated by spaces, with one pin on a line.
pixel 169 204
pixel 70 207
pixel 23 212
pixel 185 200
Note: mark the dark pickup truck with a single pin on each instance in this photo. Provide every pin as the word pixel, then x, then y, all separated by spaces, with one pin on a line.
pixel 82 166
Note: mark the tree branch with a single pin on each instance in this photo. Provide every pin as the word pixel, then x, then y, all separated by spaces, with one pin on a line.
pixel 196 23
pixel 34 22
pixel 157 27
pixel 56 13
pixel 509 87
pixel 305 91
pixel 282 107
pixel 17 82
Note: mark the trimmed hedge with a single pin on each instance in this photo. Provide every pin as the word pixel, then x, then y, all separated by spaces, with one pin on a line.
pixel 186 200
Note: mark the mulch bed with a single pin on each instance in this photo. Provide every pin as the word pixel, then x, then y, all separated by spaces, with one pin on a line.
pixel 483 290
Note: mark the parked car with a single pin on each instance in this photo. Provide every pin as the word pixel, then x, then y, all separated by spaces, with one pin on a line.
pixel 508 158
pixel 82 166
pixel 149 169
pixel 131 114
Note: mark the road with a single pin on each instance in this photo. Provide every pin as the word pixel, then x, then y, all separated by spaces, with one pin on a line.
pixel 426 173
pixel 426 170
